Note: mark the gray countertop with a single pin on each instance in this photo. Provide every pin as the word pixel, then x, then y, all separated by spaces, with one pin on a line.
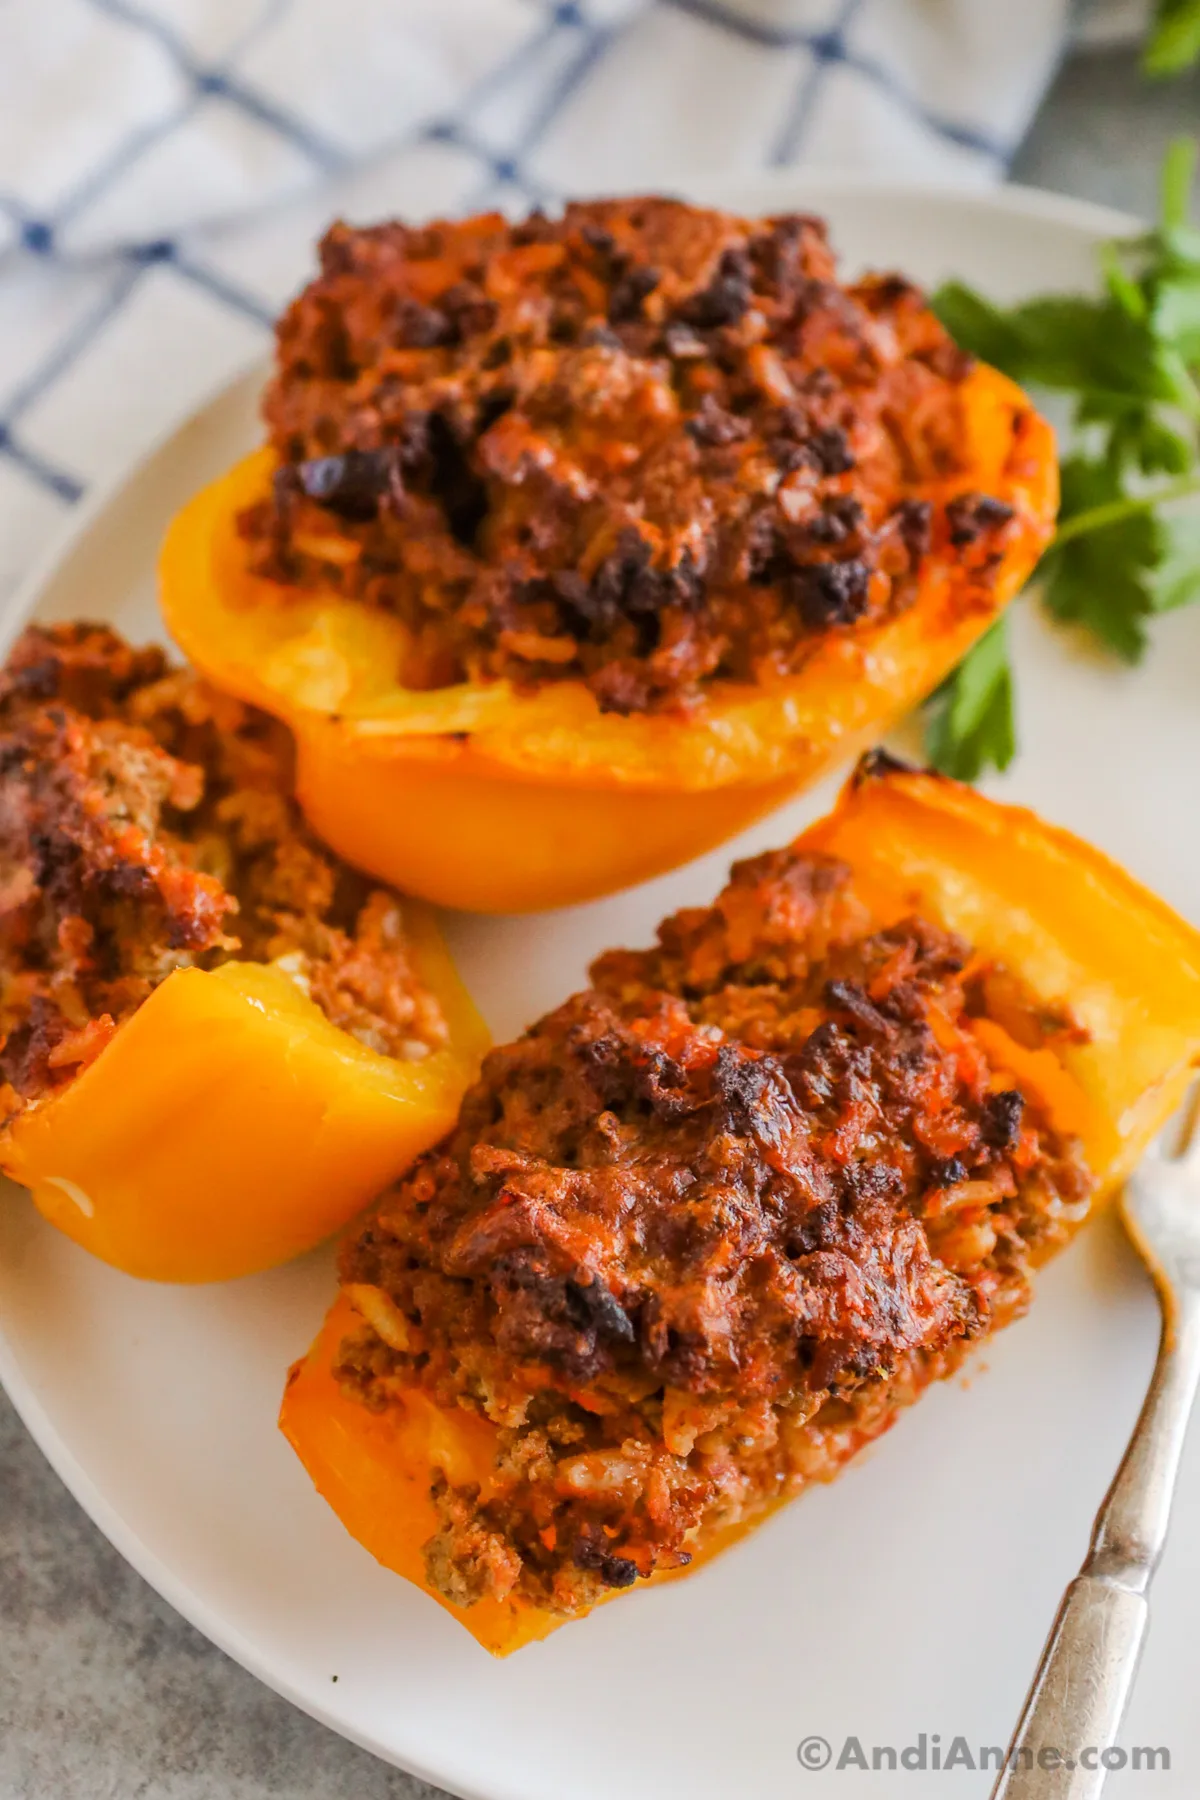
pixel 105 1693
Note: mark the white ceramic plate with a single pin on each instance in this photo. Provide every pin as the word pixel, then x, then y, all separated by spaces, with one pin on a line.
pixel 911 1597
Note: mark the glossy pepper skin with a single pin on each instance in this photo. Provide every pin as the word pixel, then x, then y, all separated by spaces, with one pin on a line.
pixel 228 1125
pixel 476 796
pixel 1081 937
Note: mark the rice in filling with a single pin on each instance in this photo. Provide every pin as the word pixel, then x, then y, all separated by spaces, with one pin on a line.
pixel 705 1228
pixel 644 445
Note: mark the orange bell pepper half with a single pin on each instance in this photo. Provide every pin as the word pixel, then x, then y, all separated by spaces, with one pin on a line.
pixel 477 796
pixel 1084 940
pixel 228 1125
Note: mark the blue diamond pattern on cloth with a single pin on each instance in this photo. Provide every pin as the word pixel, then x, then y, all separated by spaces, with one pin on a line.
pixel 167 164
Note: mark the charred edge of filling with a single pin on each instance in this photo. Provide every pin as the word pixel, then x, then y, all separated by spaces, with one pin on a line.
pixel 647 445
pixel 704 1227
pixel 147 825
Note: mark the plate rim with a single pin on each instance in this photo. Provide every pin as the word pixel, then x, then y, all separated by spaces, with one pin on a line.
pixel 1088 218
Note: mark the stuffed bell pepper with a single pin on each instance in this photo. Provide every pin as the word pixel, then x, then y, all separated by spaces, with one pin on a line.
pixel 707 1228
pixel 579 543
pixel 217 1042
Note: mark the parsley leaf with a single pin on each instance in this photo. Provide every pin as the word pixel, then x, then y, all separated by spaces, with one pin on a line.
pixel 970 724
pixel 1068 342
pixel 1174 41
pixel 1102 579
pixel 1129 357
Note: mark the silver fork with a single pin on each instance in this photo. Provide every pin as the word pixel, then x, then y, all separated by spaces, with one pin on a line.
pixel 1085 1677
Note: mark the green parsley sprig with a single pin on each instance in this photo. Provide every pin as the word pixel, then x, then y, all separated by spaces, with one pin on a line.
pixel 1174 41
pixel 1124 551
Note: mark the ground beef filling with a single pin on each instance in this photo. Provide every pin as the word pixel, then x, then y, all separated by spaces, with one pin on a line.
pixel 146 825
pixel 645 445
pixel 705 1228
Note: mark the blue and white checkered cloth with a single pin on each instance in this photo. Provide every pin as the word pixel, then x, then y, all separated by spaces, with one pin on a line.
pixel 166 164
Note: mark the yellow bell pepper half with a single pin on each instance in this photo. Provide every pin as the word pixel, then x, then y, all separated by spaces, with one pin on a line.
pixel 1080 936
pixel 228 1125
pixel 476 796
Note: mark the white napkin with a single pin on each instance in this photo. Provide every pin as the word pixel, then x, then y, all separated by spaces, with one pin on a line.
pixel 166 164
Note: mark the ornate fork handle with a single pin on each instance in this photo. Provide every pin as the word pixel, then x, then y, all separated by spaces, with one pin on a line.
pixel 1082 1685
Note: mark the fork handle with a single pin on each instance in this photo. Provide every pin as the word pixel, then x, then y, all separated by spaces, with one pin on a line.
pixel 1079 1693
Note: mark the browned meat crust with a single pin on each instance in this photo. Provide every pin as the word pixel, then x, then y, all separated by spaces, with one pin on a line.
pixel 146 825
pixel 645 443
pixel 704 1227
